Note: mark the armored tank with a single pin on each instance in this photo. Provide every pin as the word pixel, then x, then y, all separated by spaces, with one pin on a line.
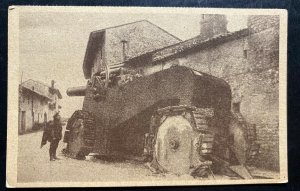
pixel 175 119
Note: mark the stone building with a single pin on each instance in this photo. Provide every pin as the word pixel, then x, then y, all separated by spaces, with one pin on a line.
pixel 117 44
pixel 38 102
pixel 247 59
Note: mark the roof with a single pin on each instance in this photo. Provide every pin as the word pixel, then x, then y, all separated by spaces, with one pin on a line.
pixel 195 43
pixel 36 92
pixel 142 37
pixel 40 88
pixel 139 21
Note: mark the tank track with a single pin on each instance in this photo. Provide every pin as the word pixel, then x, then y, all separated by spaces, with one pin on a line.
pixel 200 116
pixel 89 133
pixel 251 136
pixel 196 116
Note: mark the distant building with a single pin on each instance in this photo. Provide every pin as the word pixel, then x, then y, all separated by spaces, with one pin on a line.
pixel 38 102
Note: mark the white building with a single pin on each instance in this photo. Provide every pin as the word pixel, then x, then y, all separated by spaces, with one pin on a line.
pixel 38 102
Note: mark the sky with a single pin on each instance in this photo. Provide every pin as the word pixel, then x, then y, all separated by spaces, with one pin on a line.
pixel 52 44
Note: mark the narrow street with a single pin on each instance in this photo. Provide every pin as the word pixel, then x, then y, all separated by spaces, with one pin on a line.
pixel 34 166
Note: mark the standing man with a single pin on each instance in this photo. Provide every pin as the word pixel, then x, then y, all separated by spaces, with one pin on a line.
pixel 55 136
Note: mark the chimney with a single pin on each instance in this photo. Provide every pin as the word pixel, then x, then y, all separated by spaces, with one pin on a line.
pixel 212 25
pixel 52 83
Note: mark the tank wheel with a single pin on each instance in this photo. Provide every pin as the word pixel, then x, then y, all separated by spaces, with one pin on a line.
pixel 172 149
pixel 81 135
pixel 175 145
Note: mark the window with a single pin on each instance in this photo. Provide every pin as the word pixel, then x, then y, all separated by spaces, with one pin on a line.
pixel 236 107
pixel 246 48
pixel 245 53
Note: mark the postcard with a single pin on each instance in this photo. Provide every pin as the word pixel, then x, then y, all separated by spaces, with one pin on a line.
pixel 142 96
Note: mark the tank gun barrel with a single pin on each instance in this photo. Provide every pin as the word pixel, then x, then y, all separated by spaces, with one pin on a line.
pixel 76 91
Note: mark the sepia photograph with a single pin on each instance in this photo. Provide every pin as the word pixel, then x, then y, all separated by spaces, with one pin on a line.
pixel 136 96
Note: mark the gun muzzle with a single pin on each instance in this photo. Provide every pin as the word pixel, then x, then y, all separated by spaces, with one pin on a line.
pixel 76 91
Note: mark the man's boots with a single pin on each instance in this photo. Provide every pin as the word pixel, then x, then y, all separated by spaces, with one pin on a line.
pixel 55 157
pixel 51 157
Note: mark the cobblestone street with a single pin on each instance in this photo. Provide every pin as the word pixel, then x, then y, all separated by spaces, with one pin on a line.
pixel 34 166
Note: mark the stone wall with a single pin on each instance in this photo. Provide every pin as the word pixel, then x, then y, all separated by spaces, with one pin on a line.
pixel 250 65
pixel 263 59
pixel 139 38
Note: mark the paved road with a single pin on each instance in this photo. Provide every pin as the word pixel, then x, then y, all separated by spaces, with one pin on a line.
pixel 34 166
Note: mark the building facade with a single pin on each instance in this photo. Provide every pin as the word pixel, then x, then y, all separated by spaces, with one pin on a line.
pixel 38 103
